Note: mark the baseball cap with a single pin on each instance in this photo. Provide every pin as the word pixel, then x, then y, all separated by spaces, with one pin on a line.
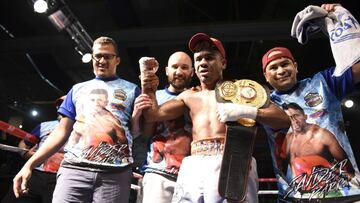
pixel 281 52
pixel 198 37
pixel 59 100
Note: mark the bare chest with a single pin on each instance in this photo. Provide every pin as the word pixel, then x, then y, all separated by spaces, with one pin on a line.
pixel 303 146
pixel 203 103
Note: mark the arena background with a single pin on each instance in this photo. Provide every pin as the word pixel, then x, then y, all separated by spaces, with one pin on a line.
pixel 40 60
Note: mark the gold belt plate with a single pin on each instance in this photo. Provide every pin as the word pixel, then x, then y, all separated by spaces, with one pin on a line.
pixel 244 92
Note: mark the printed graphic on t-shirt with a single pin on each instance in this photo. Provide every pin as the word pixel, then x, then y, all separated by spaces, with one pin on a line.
pixel 43 131
pixel 52 164
pixel 314 158
pixel 314 163
pixel 170 143
pixel 97 132
pixel 173 147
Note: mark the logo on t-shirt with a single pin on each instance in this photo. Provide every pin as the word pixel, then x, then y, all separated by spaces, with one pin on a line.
pixel 120 94
pixel 313 99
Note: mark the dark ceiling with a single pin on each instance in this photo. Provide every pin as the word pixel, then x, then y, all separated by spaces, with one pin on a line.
pixel 39 63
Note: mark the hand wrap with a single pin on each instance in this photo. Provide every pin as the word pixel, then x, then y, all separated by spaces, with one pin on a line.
pixel 233 112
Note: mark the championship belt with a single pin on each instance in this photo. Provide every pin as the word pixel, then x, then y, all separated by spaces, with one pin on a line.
pixel 240 137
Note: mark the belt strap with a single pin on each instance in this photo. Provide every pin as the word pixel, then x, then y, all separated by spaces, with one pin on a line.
pixel 236 162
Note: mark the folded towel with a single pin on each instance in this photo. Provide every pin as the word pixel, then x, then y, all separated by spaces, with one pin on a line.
pixel 340 26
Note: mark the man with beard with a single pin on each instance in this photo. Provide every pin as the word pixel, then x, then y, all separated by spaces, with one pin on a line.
pixel 171 141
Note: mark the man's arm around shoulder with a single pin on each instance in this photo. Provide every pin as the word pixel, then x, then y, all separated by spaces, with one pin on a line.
pixel 273 116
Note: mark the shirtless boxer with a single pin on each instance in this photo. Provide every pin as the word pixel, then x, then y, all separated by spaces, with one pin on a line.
pixel 198 176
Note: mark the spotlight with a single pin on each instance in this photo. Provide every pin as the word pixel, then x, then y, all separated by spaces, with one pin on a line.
pixel 62 18
pixel 46 6
pixel 349 103
pixel 86 58
pixel 40 6
pixel 34 113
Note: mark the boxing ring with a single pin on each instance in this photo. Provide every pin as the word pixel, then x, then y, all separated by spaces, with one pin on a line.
pixel 137 187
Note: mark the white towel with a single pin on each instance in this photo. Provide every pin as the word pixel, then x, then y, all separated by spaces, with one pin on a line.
pixel 340 26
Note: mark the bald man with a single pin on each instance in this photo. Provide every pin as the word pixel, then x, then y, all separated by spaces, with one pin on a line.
pixel 171 141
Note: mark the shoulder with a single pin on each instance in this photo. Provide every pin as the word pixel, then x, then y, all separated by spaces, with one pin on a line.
pixel 127 83
pixel 78 85
pixel 188 93
pixel 289 136
pixel 320 132
pixel 49 125
pixel 50 122
pixel 161 92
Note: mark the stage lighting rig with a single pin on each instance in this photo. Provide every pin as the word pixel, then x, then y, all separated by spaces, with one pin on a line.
pixel 63 19
pixel 45 6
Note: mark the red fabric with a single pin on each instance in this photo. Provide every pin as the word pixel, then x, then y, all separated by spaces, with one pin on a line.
pixel 204 37
pixel 283 52
pixel 12 130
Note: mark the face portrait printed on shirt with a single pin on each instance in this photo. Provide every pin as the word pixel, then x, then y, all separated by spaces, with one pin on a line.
pixel 314 156
pixel 97 130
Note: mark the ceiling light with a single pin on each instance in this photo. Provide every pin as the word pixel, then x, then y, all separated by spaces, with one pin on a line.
pixel 85 55
pixel 40 6
pixel 349 103
pixel 86 58
pixel 34 113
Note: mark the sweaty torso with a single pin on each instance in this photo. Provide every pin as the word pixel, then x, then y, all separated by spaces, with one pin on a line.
pixel 202 107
